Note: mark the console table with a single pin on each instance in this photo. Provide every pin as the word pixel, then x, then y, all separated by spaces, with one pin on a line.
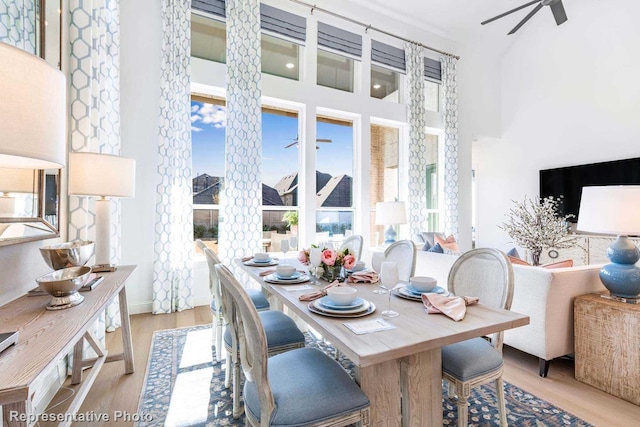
pixel 607 344
pixel 47 336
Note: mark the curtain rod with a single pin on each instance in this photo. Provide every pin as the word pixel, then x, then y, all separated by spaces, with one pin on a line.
pixel 369 27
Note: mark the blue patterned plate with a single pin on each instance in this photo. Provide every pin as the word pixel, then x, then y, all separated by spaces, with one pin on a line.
pixel 294 276
pixel 414 291
pixel 327 303
pixel 262 261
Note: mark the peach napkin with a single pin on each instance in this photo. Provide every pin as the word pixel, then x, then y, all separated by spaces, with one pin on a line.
pixel 267 272
pixel 319 294
pixel 451 306
pixel 247 258
pixel 364 277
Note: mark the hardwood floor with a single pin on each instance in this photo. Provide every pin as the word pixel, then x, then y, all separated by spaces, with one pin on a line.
pixel 113 391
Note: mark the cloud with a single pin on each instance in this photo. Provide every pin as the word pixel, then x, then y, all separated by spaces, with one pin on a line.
pixel 195 108
pixel 195 118
pixel 195 129
pixel 214 115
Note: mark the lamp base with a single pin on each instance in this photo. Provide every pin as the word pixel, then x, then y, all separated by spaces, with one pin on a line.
pixel 622 276
pixel 389 235
pixel 103 268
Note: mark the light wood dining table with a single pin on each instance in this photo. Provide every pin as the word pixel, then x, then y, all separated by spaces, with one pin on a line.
pixel 400 362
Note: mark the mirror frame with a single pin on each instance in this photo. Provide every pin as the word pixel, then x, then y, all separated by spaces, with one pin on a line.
pixel 40 217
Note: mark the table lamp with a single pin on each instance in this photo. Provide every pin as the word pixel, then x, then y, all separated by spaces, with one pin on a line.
pixel 15 181
pixel 615 210
pixel 390 213
pixel 103 176
pixel 32 112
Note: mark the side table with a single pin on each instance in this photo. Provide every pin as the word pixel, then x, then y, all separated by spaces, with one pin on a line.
pixel 607 345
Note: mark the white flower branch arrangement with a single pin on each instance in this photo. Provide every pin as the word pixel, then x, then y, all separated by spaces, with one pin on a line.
pixel 535 225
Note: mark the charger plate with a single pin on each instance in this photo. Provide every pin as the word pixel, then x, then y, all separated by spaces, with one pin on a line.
pixel 403 292
pixel 252 263
pixel 314 307
pixel 272 278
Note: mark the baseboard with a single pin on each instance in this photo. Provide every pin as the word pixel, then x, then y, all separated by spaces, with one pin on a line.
pixel 147 306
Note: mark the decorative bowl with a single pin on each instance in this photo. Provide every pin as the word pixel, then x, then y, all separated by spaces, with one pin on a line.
pixel 423 283
pixel 63 285
pixel 70 254
pixel 284 270
pixel 342 295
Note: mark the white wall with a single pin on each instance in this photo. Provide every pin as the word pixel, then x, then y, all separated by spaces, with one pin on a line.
pixel 140 62
pixel 570 95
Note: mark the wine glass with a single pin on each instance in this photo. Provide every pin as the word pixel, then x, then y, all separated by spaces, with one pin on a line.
pixel 376 260
pixel 389 279
pixel 293 242
pixel 315 259
pixel 284 247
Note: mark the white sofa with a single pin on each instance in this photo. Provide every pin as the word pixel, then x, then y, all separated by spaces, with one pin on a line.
pixel 545 295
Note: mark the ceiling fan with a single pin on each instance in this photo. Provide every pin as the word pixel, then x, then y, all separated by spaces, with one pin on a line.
pixel 556 8
pixel 295 141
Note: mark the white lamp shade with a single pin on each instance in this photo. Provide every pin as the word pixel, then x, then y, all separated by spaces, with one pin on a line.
pixel 610 210
pixel 96 174
pixel 18 180
pixel 32 111
pixel 388 213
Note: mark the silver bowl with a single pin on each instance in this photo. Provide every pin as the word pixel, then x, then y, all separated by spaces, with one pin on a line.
pixel 63 285
pixel 70 254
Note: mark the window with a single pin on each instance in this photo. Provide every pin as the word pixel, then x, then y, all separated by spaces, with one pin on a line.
pixel 280 164
pixel 208 39
pixel 335 71
pixel 334 177
pixel 385 83
pixel 280 57
pixel 431 96
pixel 208 122
pixel 383 176
pixel 433 183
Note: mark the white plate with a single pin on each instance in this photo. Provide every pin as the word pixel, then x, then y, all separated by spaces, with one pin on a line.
pixel 294 276
pixel 317 304
pixel 417 293
pixel 341 314
pixel 402 292
pixel 271 278
pixel 326 302
pixel 252 263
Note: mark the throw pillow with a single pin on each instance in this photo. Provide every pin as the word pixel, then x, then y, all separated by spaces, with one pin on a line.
pixel 449 243
pixel 517 261
pixel 514 253
pixel 436 248
pixel 427 246
pixel 559 264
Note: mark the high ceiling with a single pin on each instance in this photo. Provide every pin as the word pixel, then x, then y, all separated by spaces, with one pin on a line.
pixel 459 20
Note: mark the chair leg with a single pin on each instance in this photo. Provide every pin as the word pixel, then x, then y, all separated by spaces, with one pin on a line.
pixel 543 367
pixel 227 372
pixel 218 338
pixel 237 407
pixel 463 411
pixel 501 402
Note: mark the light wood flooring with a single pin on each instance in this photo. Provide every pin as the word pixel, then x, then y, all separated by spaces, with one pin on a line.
pixel 114 391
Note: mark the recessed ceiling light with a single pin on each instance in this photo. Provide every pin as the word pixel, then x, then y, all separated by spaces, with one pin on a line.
pixel 290 65
pixel 376 86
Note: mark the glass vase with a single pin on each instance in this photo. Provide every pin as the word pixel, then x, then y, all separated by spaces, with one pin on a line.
pixel 331 272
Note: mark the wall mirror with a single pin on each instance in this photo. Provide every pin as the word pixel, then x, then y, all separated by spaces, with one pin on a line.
pixel 30 199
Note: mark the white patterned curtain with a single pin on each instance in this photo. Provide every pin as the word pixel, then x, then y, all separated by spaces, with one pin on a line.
pixel 450 120
pixel 417 196
pixel 94 75
pixel 241 230
pixel 17 23
pixel 173 266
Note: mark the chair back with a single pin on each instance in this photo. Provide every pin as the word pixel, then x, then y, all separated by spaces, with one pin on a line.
pixel 247 334
pixel 354 244
pixel 404 253
pixel 487 274
pixel 214 281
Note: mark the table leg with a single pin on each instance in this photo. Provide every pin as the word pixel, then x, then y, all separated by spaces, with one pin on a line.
pixel 127 345
pixel 421 384
pixel 381 384
pixel 13 412
pixel 76 370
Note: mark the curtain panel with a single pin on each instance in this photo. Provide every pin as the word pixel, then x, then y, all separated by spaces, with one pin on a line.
pixel 17 23
pixel 94 124
pixel 417 195
pixel 173 249
pixel 450 120
pixel 241 226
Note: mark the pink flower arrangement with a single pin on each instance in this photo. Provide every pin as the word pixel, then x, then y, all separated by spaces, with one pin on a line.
pixel 303 256
pixel 349 261
pixel 329 257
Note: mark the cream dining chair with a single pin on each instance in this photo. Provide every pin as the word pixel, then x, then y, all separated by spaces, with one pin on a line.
pixel 302 387
pixel 354 244
pixel 404 253
pixel 488 275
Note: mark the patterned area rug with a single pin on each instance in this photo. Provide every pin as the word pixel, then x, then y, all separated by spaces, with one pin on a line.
pixel 184 387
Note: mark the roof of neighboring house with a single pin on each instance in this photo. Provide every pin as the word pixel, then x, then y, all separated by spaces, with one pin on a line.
pixel 336 193
pixel 287 184
pixel 270 196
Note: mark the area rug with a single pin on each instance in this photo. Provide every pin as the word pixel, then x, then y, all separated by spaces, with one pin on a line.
pixel 183 386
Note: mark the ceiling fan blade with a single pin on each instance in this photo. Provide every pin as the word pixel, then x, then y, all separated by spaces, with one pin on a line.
pixel 558 12
pixel 526 18
pixel 293 143
pixel 510 12
pixel 323 140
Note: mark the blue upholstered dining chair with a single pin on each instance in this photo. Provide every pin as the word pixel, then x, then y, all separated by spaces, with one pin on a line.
pixel 404 253
pixel 258 298
pixel 487 274
pixel 302 387
pixel 282 335
pixel 354 243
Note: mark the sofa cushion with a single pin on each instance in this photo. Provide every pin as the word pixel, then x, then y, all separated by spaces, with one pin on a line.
pixel 426 246
pixel 436 248
pixel 448 243
pixel 558 264
pixel 429 236
pixel 514 253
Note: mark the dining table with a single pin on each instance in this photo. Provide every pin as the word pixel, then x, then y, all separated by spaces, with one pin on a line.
pixel 399 369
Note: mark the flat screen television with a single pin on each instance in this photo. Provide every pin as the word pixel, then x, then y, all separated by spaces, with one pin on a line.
pixel 566 183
